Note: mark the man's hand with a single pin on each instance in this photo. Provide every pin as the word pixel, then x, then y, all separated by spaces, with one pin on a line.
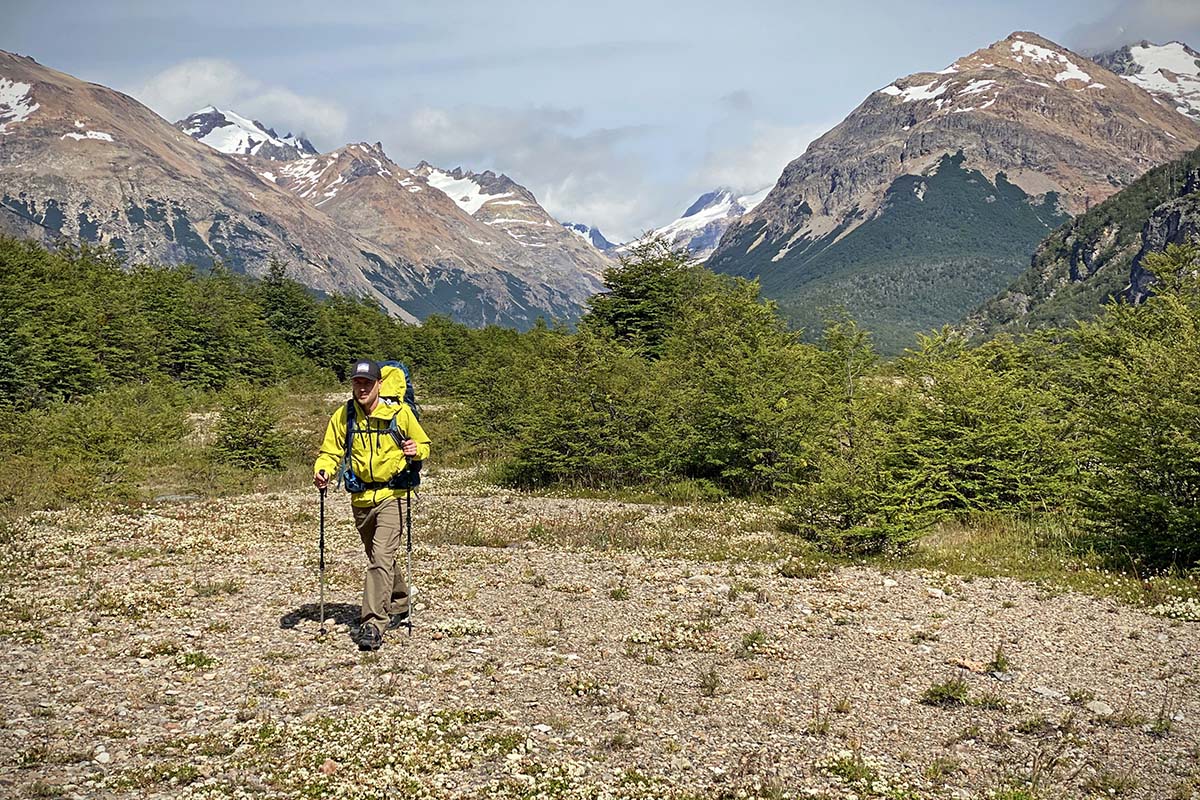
pixel 321 480
pixel 410 448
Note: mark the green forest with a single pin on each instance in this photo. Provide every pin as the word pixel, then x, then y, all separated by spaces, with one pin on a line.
pixel 677 383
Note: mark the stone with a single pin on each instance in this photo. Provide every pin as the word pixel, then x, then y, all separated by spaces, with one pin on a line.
pixel 1100 708
pixel 888 583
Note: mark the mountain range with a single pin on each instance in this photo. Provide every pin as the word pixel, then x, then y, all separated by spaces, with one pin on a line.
pixel 83 162
pixel 925 203
pixel 931 196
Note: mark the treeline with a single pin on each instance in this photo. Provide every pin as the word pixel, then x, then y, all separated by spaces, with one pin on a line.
pixel 185 380
pixel 76 323
pixel 677 381
pixel 687 382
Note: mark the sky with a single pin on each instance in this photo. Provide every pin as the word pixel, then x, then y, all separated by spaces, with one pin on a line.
pixel 616 115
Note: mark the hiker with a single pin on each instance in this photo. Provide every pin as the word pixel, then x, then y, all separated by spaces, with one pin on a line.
pixel 386 449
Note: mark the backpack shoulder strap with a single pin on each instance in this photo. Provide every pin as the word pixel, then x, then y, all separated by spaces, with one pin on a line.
pixel 351 418
pixel 393 429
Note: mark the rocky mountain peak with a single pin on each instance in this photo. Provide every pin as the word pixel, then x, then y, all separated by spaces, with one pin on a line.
pixel 591 235
pixel 1021 131
pixel 471 190
pixel 233 134
pixel 702 224
pixel 1170 72
pixel 716 197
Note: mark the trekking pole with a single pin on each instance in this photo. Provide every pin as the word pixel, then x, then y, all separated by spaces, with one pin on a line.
pixel 412 606
pixel 321 560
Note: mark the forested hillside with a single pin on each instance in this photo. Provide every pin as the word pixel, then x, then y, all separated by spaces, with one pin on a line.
pixel 1088 261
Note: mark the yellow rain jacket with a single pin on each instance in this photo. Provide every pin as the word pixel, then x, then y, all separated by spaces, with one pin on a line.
pixel 375 456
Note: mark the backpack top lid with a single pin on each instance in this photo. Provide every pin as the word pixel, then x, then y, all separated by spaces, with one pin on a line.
pixel 398 384
pixel 395 382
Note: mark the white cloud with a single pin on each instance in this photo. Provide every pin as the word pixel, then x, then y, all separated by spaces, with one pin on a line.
pixel 756 164
pixel 190 85
pixel 604 177
pixel 1131 21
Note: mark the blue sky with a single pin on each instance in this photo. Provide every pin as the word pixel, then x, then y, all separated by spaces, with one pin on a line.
pixel 615 114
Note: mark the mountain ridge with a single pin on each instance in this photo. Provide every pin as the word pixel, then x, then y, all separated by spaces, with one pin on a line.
pixel 1044 128
pixel 82 161
pixel 1096 257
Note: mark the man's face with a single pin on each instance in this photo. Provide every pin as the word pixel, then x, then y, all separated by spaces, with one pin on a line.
pixel 365 391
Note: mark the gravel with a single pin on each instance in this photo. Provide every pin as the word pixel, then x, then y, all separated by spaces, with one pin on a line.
pixel 174 650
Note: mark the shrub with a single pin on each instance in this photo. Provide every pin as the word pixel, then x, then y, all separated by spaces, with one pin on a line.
pixel 248 435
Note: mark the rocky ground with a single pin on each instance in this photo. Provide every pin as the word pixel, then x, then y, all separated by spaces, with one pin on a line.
pixel 562 648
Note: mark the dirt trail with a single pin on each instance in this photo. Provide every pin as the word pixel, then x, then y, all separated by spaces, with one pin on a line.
pixel 173 651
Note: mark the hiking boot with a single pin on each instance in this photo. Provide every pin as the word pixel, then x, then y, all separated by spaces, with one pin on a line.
pixel 399 618
pixel 369 637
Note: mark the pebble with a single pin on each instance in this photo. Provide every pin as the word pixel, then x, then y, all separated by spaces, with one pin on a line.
pixel 936 594
pixel 103 758
pixel 1100 708
pixel 888 583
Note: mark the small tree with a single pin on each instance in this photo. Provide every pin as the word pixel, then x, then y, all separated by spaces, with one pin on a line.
pixel 248 435
pixel 645 297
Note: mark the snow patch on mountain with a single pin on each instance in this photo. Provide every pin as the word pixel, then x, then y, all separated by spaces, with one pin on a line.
pixel 306 173
pixel 466 193
pixel 1171 71
pixel 16 105
pixel 977 86
pixel 232 133
pixel 1036 54
pixel 915 93
pixel 99 135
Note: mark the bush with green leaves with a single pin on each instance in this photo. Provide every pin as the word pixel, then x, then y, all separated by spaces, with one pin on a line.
pixel 94 448
pixel 1141 418
pixel 248 434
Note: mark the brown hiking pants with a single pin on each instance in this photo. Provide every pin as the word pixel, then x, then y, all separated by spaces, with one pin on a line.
pixel 384 590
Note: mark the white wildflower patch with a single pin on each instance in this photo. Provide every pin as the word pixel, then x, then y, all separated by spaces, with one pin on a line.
pixel 1179 608
pixel 461 627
